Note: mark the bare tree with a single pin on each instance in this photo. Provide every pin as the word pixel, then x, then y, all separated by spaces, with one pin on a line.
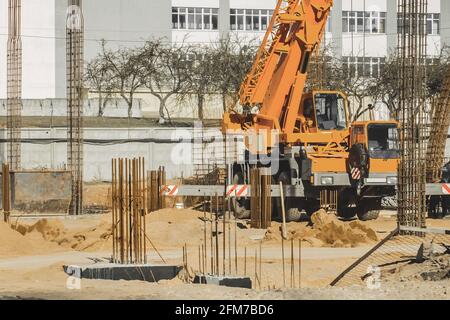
pixel 232 58
pixel 125 65
pixel 99 78
pixel 200 81
pixel 166 73
pixel 353 82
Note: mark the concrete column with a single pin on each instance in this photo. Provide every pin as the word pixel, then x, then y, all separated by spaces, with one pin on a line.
pixel 391 26
pixel 224 18
pixel 336 28
pixel 445 22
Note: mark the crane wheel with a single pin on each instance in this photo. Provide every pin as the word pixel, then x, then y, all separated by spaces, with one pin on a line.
pixel 369 209
pixel 293 212
pixel 346 204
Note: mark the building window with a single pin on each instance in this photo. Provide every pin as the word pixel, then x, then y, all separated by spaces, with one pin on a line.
pixel 370 67
pixel 249 19
pixel 360 21
pixel 328 27
pixel 195 18
pixel 431 26
pixel 433 23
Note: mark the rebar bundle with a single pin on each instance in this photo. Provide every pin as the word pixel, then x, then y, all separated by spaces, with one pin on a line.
pixel 14 90
pixel 129 208
pixel 438 132
pixel 412 169
pixel 74 63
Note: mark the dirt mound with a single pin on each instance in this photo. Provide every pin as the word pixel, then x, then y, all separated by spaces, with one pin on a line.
pixel 13 243
pixel 172 228
pixel 326 230
pixel 295 230
pixel 49 230
pixel 166 228
pixel 86 239
pixel 337 233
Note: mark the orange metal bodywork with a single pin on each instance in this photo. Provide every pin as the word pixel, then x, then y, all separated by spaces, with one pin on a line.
pixel 361 136
pixel 277 79
pixel 275 85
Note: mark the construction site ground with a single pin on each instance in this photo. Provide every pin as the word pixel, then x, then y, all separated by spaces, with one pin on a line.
pixel 32 256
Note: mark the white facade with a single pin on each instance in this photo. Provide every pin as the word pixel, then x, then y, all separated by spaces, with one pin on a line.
pixel 130 23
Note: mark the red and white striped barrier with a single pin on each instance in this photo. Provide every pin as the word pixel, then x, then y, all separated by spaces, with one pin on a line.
pixel 169 191
pixel 446 188
pixel 237 190
pixel 356 174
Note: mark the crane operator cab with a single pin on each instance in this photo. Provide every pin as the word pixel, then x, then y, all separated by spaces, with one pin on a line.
pixel 323 111
pixel 330 111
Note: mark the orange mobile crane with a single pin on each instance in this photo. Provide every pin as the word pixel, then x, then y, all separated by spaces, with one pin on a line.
pixel 308 135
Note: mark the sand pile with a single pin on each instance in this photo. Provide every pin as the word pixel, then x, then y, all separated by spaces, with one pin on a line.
pixel 326 230
pixel 167 228
pixel 336 233
pixel 87 239
pixel 12 243
pixel 172 228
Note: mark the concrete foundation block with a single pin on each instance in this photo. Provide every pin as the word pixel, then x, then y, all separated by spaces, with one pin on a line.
pixel 227 281
pixel 110 271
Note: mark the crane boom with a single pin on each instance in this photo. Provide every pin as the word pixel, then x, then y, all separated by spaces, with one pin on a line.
pixel 277 78
pixel 252 89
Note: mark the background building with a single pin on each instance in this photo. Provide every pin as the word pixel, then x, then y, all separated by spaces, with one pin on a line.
pixel 359 31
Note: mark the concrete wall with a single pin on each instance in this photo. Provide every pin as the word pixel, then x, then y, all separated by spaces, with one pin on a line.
pixel 116 108
pixel 159 147
pixel 34 192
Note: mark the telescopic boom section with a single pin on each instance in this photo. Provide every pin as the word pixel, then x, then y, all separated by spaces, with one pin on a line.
pixel 277 79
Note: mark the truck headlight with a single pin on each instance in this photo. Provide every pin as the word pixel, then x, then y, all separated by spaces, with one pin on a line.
pixel 326 181
pixel 391 180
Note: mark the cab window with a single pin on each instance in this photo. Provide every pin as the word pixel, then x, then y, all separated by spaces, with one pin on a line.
pixel 330 111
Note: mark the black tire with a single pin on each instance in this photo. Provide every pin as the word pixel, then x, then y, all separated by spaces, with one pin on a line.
pixel 240 206
pixel 369 209
pixel 311 207
pixel 293 212
pixel 437 207
pixel 346 204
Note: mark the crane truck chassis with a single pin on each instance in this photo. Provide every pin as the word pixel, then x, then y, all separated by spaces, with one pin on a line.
pixel 308 136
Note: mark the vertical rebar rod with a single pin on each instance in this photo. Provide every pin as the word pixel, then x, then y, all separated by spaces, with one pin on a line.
pixel 113 207
pixel 211 234
pixel 283 262
pixel 224 248
pixel 227 205
pixel 256 267
pixel 292 264
pixel 300 263
pixel 205 226
pixel 260 263
pixel 235 246
pixel 217 235
pixel 245 261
